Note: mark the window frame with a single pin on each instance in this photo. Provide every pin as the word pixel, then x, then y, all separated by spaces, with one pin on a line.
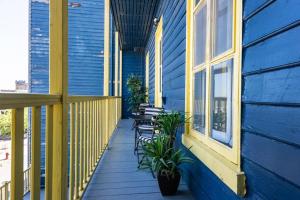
pixel 158 64
pixel 206 148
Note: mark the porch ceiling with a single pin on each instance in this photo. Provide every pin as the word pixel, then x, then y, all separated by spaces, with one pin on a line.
pixel 133 20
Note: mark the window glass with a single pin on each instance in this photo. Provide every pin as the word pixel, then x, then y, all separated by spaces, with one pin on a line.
pixel 196 2
pixel 221 103
pixel 199 101
pixel 222 26
pixel 200 36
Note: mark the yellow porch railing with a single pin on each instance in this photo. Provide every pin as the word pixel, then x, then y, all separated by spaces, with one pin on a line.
pixel 92 120
pixel 5 188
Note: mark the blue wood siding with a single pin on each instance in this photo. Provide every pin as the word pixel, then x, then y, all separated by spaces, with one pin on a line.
pixel 270 97
pixel 86 51
pixel 133 63
pixel 271 112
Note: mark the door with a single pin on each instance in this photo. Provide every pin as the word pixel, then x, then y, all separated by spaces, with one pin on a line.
pixel 158 65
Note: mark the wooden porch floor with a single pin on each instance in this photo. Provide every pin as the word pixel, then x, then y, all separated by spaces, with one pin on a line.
pixel 117 176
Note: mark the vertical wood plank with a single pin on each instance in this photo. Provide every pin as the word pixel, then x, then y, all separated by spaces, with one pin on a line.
pixel 85 140
pixel 90 138
pixel 81 138
pixel 121 75
pixel 17 150
pixel 36 154
pixel 49 151
pixel 72 152
pixel 116 63
pixel 106 47
pixel 58 84
pixel 77 148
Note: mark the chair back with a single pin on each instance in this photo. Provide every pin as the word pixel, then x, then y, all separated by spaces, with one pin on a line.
pixel 153 111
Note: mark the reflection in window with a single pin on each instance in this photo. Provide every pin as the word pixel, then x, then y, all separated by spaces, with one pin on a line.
pixel 199 101
pixel 196 2
pixel 223 26
pixel 222 102
pixel 200 36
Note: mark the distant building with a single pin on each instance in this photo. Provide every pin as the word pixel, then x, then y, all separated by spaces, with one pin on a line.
pixel 21 86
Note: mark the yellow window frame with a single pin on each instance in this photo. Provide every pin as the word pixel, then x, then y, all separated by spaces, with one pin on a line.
pixel 158 53
pixel 221 159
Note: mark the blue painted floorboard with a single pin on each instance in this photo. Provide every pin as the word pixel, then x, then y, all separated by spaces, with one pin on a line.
pixel 117 176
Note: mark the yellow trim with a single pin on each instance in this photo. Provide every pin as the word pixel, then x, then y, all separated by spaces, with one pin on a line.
pixel 35 150
pixel 121 66
pixel 224 161
pixel 58 84
pixel 158 53
pixel 17 149
pixel 106 48
pixel 147 72
pixel 116 64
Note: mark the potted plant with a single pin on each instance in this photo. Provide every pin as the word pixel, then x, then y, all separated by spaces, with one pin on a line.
pixel 164 161
pixel 168 123
pixel 137 92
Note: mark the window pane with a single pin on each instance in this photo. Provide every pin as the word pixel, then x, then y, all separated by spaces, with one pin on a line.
pixel 199 101
pixel 222 102
pixel 200 36
pixel 223 26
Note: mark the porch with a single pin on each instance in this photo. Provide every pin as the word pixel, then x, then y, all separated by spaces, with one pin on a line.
pixel 117 175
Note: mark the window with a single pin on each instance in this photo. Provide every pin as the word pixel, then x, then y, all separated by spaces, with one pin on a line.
pixel 213 68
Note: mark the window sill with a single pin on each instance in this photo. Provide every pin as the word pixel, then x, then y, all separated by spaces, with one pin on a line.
pixel 227 171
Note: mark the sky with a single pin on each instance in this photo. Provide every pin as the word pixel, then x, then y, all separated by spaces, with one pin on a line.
pixel 13 42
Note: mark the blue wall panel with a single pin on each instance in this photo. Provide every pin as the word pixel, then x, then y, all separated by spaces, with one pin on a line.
pixel 86 51
pixel 270 120
pixel 270 96
pixel 133 63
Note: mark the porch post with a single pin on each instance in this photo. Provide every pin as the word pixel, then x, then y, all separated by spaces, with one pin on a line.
pixel 121 65
pixel 106 48
pixel 116 63
pixel 59 85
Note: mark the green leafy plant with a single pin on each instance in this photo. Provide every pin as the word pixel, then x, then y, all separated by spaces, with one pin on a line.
pixel 137 92
pixel 5 122
pixel 168 123
pixel 161 158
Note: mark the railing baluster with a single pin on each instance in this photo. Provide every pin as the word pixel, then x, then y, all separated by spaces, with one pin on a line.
pixel 81 138
pixel 77 149
pixel 85 140
pixel 90 137
pixel 17 149
pixel 72 150
pixel 35 151
pixel 49 151
pixel 94 134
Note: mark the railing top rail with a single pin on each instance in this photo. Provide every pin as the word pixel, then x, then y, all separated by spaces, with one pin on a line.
pixel 22 100
pixel 75 99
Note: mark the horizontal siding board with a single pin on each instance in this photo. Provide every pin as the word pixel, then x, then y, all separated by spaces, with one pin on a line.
pixel 263 23
pixel 263 184
pixel 278 50
pixel 278 123
pixel 273 155
pixel 280 86
pixel 251 6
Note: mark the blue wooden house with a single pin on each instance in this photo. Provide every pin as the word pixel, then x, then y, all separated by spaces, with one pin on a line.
pixel 231 65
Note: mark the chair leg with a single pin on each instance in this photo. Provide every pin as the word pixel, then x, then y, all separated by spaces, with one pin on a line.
pixel 135 141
